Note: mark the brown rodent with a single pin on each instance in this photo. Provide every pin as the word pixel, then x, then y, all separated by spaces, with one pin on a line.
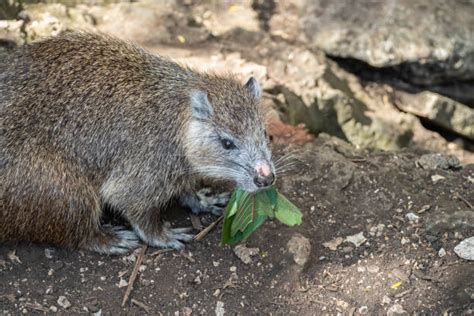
pixel 88 120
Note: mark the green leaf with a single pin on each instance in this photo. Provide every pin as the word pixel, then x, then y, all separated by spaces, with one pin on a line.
pixel 241 235
pixel 272 195
pixel 238 194
pixel 229 213
pixel 245 213
pixel 286 212
pixel 231 207
pixel 225 236
pixel 263 204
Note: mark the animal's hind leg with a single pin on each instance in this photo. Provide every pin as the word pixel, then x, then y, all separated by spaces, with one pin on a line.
pixel 112 240
pixel 47 199
pixel 139 203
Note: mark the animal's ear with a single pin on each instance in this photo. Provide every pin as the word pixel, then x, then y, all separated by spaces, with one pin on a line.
pixel 253 87
pixel 200 105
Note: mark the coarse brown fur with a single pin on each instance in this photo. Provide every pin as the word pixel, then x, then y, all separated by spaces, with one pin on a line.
pixel 87 119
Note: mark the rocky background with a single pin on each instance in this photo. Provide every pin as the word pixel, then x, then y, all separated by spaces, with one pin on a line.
pixel 378 86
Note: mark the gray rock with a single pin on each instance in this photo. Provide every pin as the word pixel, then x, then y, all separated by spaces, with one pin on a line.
pixel 219 310
pixel 327 99
pixel 439 110
pixel 148 23
pixel 417 36
pixel 300 247
pixel 10 30
pixel 412 217
pixel 357 239
pixel 363 310
pixel 441 252
pixel 438 161
pixel 395 310
pixel 63 302
pixel 46 20
pixel 313 90
pixel 225 16
pixel 386 300
pixel 465 249
pixel 334 243
pixel 245 254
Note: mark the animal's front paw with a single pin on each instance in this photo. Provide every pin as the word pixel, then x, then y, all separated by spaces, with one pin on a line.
pixel 167 238
pixel 213 203
pixel 205 201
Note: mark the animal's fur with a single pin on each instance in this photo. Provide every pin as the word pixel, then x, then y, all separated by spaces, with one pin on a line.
pixel 87 119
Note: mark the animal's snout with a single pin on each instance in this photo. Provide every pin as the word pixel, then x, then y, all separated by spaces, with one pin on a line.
pixel 264 177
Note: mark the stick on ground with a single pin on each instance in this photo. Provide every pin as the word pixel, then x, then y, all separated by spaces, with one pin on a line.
pixel 206 230
pixel 134 274
pixel 141 305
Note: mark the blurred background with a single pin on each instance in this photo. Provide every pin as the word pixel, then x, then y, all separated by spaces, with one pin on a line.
pixel 378 74
pixel 362 92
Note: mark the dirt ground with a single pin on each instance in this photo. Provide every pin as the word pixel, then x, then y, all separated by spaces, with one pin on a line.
pixel 399 265
pixel 377 237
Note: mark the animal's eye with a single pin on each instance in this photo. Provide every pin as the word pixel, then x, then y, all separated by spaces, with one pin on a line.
pixel 227 144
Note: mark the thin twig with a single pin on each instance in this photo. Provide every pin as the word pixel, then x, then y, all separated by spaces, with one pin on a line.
pixel 185 255
pixel 159 252
pixel 203 233
pixel 358 159
pixel 465 201
pixel 141 305
pixel 134 274
pixel 37 307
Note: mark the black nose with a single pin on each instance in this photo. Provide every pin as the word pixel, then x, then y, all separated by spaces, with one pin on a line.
pixel 261 181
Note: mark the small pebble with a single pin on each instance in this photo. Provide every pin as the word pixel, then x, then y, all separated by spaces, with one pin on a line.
pixel 300 247
pixel 441 253
pixel 412 217
pixel 465 249
pixel 386 300
pixel 373 269
pixel 48 253
pixel 245 254
pixel 220 308
pixel 63 302
pixel 396 309
pixel 357 239
pixel 405 240
pixel 363 310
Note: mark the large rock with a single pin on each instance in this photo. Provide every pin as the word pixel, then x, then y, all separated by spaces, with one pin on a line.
pixel 11 35
pixel 430 41
pixel 313 90
pixel 149 23
pixel 10 31
pixel 440 110
pixel 220 17
pixel 386 99
pixel 308 87
pixel 46 20
pixel 146 22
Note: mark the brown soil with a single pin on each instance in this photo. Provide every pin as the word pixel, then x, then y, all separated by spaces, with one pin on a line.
pixel 341 192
